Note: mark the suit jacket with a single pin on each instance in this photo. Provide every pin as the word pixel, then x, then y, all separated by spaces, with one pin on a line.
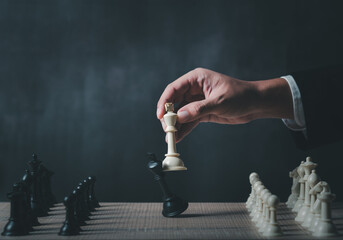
pixel 322 97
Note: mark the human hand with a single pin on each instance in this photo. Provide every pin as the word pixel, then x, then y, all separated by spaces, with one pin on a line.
pixel 207 96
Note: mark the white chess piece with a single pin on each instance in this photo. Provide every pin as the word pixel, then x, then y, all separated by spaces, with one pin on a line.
pixel 273 229
pixel 254 205
pixel 316 206
pixel 298 204
pixel 258 207
pixel 265 212
pixel 325 227
pixel 294 190
pixel 305 208
pixel 172 162
pixel 261 217
pixel 312 180
pixel 253 177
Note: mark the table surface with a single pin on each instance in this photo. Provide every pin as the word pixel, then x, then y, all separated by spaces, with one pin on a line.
pixel 144 221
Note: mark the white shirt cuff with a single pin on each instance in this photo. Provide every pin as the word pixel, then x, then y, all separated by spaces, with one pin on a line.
pixel 298 124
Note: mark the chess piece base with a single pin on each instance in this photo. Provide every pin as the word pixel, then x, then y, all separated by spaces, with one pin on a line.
pixel 173 163
pixel 325 228
pixel 13 228
pixel 303 211
pixel 273 230
pixel 69 230
pixel 174 206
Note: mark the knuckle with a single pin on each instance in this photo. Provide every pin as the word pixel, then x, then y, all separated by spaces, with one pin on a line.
pixel 199 70
pixel 200 108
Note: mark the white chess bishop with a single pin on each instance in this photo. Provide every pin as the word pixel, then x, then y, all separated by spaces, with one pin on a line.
pixel 172 162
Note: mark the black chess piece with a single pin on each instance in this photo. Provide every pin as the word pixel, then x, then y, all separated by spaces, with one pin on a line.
pixel 48 196
pixel 77 208
pixel 26 187
pixel 84 202
pixel 92 198
pixel 172 204
pixel 16 225
pixel 43 188
pixel 70 226
pixel 87 184
pixel 36 199
pixel 26 209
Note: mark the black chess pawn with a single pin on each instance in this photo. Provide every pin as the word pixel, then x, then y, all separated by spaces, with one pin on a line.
pixel 70 226
pixel 77 208
pixel 172 204
pixel 43 189
pixel 26 187
pixel 91 196
pixel 84 204
pixel 16 225
pixel 47 194
pixel 87 184
pixel 26 209
pixel 36 200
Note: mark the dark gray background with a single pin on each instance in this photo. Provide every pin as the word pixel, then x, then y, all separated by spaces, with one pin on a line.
pixel 79 83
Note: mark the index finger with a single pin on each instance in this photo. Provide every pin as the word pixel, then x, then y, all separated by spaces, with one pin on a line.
pixel 175 91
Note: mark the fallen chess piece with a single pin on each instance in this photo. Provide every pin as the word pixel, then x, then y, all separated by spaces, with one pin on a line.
pixel 172 204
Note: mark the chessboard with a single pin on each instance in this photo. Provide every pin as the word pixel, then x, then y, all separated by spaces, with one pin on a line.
pixel 120 220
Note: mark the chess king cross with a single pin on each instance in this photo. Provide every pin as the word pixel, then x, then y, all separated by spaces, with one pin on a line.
pixel 172 162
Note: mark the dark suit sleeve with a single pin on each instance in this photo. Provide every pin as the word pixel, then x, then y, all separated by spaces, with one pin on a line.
pixel 322 98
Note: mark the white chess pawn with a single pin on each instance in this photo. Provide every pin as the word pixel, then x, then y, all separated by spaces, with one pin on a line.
pixel 300 200
pixel 294 190
pixel 273 229
pixel 254 205
pixel 172 162
pixel 325 227
pixel 266 212
pixel 253 177
pixel 316 206
pixel 305 208
pixel 258 208
pixel 312 180
pixel 260 220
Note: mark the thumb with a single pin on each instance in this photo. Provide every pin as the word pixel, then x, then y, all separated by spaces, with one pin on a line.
pixel 194 111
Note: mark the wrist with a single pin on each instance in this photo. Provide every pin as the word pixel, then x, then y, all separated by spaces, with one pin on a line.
pixel 274 98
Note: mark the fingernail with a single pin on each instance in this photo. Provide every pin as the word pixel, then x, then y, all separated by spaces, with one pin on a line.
pixel 183 116
pixel 158 112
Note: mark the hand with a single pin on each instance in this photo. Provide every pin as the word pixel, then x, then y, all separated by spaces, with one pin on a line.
pixel 207 96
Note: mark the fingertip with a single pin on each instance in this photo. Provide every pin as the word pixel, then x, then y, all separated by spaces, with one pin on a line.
pixel 158 113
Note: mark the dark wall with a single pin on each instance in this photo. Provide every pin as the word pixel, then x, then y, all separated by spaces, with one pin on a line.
pixel 79 83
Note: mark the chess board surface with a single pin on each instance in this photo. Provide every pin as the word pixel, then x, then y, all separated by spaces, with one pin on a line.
pixel 121 220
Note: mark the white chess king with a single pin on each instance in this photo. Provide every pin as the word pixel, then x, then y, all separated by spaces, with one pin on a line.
pixel 172 162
